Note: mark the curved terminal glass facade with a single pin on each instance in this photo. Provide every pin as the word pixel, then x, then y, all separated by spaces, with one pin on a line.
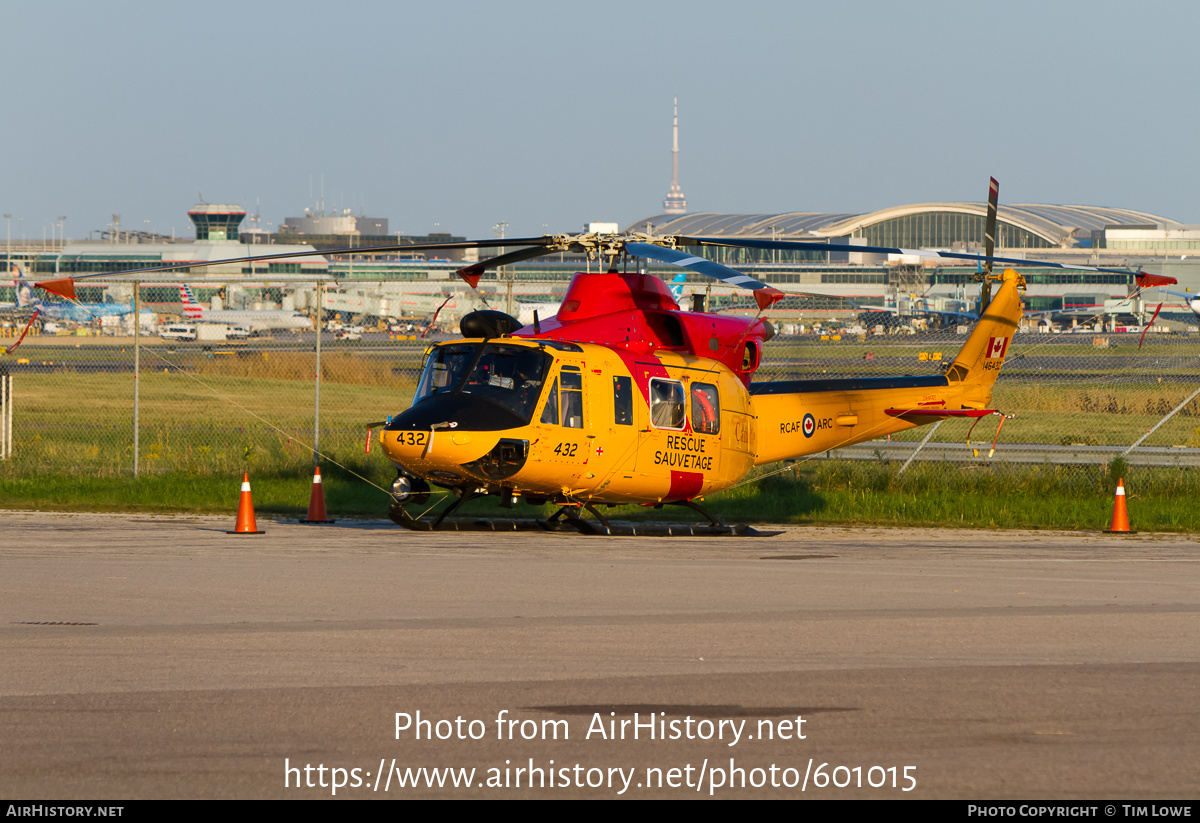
pixel 925 225
pixel 943 229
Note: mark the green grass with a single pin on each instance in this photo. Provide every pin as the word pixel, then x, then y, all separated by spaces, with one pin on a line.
pixel 224 412
pixel 226 422
pixel 985 496
pixel 818 493
pixel 254 412
pixel 216 424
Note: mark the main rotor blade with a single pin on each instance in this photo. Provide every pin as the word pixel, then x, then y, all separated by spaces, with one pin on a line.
pixel 1143 278
pixel 473 272
pixel 66 282
pixel 764 295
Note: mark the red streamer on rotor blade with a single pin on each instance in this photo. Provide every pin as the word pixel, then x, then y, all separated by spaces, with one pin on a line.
pixel 435 316
pixel 1148 325
pixel 766 297
pixel 471 275
pixel 63 286
pixel 1146 280
pixel 28 325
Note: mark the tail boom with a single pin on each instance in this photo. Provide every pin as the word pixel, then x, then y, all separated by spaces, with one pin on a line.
pixel 802 417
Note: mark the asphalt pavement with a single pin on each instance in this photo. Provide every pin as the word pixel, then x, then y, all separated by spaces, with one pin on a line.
pixel 159 657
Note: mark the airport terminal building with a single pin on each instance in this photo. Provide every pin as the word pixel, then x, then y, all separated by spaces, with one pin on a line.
pixel 922 225
pixel 1079 235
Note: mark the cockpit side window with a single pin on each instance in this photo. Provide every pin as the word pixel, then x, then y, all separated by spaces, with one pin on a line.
pixel 550 410
pixel 572 397
pixel 564 401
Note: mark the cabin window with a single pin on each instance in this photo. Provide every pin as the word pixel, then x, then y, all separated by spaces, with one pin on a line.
pixel 623 401
pixel 706 409
pixel 666 404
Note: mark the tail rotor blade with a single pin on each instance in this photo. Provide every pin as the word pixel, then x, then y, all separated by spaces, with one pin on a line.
pixel 989 246
pixel 989 230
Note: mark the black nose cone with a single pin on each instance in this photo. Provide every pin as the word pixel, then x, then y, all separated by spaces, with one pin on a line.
pixel 470 413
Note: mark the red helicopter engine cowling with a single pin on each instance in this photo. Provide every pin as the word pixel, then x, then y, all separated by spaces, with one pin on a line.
pixel 593 295
pixel 636 312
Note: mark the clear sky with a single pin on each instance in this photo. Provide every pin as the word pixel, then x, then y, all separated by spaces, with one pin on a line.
pixel 456 116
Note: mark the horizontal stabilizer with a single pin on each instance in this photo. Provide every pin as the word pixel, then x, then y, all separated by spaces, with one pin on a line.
pixel 942 414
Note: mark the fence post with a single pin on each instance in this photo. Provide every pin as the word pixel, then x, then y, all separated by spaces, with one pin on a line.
pixel 6 403
pixel 137 369
pixel 317 380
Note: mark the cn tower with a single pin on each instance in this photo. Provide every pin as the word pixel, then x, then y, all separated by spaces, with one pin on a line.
pixel 675 203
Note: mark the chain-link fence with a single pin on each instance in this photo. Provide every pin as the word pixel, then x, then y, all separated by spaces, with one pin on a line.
pixel 1078 400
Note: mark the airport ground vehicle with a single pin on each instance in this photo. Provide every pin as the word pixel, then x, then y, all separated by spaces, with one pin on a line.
pixel 178 331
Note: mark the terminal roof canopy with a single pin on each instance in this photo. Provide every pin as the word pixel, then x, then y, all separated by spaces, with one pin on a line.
pixel 919 225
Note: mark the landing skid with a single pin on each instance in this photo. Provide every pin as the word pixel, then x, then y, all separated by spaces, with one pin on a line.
pixel 568 518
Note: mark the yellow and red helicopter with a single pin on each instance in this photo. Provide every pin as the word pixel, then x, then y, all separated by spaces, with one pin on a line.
pixel 625 397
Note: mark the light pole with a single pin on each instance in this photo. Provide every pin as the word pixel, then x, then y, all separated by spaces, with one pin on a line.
pixel 8 245
pixel 498 230
pixel 62 237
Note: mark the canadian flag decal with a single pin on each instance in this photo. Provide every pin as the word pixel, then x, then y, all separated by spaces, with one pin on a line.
pixel 996 347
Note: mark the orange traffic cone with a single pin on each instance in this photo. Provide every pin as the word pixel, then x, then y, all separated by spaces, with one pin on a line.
pixel 1120 517
pixel 245 516
pixel 316 501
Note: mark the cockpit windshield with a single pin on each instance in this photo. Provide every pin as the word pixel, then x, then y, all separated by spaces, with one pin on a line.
pixel 511 376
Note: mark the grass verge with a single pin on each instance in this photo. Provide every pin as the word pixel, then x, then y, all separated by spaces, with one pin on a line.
pixel 815 493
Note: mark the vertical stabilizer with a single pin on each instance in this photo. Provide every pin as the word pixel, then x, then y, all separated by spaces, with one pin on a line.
pixel 978 364
pixel 191 309
pixel 25 295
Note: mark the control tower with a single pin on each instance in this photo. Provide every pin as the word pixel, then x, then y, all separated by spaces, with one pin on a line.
pixel 215 221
